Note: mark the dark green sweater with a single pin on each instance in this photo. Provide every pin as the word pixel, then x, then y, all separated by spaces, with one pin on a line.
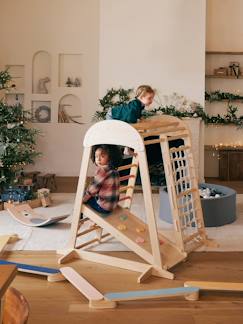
pixel 129 112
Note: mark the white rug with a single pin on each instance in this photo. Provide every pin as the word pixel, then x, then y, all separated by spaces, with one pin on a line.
pixel 53 237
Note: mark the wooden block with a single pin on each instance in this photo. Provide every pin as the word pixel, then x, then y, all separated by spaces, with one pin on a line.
pixel 90 292
pixel 34 203
pixel 51 273
pixel 5 239
pixel 218 286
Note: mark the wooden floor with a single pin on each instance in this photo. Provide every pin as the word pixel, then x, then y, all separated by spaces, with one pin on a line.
pixel 61 303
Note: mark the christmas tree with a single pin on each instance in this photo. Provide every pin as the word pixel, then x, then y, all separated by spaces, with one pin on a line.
pixel 17 138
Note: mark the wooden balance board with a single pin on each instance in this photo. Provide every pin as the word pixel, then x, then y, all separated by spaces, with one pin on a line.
pixel 98 300
pixel 25 215
pixel 51 273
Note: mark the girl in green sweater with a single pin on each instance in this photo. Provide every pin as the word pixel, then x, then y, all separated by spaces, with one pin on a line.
pixel 131 112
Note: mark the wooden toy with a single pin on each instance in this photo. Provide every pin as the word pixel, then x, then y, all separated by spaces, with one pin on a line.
pixel 5 239
pixel 25 215
pixel 217 286
pixel 109 300
pixel 51 274
pixel 182 185
pixel 44 196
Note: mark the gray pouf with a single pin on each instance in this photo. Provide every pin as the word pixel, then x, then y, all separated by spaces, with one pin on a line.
pixel 216 211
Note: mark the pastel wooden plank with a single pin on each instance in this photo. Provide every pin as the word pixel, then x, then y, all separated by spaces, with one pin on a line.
pixel 31 268
pixel 150 294
pixel 90 292
pixel 212 285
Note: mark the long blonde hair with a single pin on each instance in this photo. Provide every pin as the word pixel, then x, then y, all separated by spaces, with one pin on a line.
pixel 142 90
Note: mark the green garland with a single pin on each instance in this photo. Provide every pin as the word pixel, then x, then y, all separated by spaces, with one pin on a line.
pixel 113 97
pixel 198 112
pixel 220 96
pixel 4 79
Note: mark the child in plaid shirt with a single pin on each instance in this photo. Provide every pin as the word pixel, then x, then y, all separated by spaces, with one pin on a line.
pixel 103 193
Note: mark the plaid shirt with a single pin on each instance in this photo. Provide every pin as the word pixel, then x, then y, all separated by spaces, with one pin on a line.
pixel 105 186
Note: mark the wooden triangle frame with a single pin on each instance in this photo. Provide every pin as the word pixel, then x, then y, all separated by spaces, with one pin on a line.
pixel 158 251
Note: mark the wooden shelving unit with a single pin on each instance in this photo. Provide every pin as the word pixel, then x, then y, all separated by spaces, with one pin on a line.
pixel 213 76
pixel 224 52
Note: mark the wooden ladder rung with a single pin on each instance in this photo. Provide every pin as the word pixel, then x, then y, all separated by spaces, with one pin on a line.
pixel 193 236
pixel 162 131
pixel 126 167
pixel 125 198
pixel 180 148
pixel 92 241
pixel 187 213
pixel 125 188
pixel 180 136
pixel 127 177
pixel 186 192
pixel 93 228
pixel 154 141
pixel 142 126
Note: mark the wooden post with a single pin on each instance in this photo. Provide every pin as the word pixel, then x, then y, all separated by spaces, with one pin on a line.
pixel 79 197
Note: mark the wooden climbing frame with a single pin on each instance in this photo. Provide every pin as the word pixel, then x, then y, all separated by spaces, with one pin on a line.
pixel 142 237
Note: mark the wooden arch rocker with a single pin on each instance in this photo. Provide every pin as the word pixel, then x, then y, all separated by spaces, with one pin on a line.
pixel 158 252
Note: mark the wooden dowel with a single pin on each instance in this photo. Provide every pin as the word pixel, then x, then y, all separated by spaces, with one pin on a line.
pixel 124 178
pixel 153 124
pixel 191 237
pixel 124 188
pixel 155 141
pixel 179 136
pixel 125 198
pixel 180 148
pixel 91 241
pixel 93 228
pixel 161 131
pixel 126 167
pixel 187 192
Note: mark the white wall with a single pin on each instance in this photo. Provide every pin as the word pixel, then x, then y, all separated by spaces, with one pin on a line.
pixel 123 42
pixel 161 43
pixel 56 26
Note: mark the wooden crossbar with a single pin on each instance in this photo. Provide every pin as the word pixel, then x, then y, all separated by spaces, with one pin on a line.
pixel 154 141
pixel 124 178
pixel 153 124
pixel 125 198
pixel 80 246
pixel 186 192
pixel 162 131
pixel 180 148
pixel 126 167
pixel 124 188
pixel 93 228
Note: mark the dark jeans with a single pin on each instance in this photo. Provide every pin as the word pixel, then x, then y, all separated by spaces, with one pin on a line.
pixel 92 202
